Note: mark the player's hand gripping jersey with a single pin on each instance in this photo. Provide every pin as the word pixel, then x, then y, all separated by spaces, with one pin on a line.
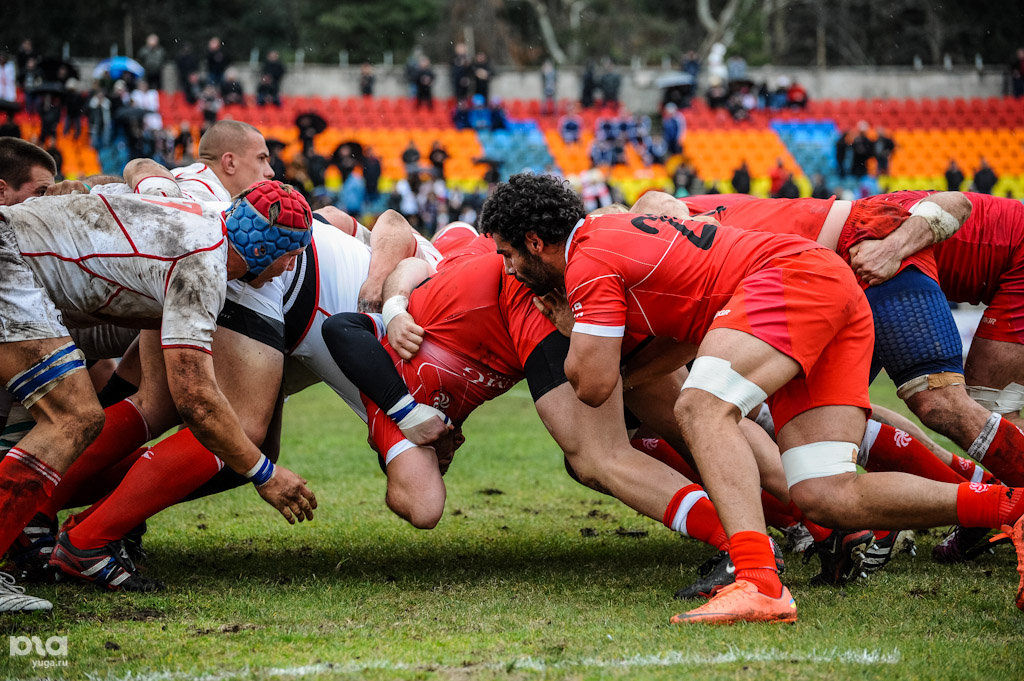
pixel 136 261
pixel 480 327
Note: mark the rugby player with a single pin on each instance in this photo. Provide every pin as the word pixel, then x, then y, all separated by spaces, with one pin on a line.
pixel 767 316
pixel 140 262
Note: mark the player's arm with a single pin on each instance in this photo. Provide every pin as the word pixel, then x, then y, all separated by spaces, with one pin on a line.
pixel 352 340
pixel 206 411
pixel 404 334
pixel 391 241
pixel 932 220
pixel 592 366
pixel 146 176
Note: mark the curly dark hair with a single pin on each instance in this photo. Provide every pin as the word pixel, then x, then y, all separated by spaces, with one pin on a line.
pixel 543 204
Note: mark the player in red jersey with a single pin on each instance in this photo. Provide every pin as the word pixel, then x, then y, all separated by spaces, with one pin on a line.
pixel 766 317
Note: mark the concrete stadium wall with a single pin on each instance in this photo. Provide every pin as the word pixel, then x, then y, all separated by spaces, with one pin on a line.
pixel 638 90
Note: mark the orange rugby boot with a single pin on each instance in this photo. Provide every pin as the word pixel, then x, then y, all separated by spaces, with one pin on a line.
pixel 741 602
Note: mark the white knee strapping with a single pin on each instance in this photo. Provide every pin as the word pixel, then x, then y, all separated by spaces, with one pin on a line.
pixel 929 382
pixel 819 460
pixel 1006 401
pixel 765 420
pixel 940 221
pixel 716 376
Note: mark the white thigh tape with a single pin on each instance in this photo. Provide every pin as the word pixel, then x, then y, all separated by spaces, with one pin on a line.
pixel 1006 401
pixel 716 376
pixel 819 460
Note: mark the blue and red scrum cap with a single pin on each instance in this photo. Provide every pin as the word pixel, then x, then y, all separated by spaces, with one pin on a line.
pixel 266 221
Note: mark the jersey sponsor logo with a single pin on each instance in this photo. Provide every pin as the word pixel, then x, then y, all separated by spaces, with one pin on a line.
pixel 901 438
pixel 439 399
pixel 702 241
pixel 477 377
pixel 722 313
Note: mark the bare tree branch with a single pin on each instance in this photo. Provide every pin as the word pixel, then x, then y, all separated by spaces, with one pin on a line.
pixel 547 31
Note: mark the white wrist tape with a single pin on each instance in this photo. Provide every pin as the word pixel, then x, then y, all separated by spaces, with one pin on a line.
pixel 941 222
pixel 393 306
pixel 420 414
pixel 819 460
pixel 716 376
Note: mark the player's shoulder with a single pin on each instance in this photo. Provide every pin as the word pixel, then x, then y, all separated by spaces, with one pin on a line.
pixel 200 182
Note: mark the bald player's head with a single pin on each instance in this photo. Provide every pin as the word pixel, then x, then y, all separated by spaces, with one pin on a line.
pixel 237 154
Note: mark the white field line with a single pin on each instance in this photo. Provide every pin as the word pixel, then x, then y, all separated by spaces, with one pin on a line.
pixel 668 659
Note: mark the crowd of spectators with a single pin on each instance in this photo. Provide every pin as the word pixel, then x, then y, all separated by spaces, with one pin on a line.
pixel 854 150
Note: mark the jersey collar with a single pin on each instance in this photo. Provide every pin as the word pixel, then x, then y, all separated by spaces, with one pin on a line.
pixel 568 241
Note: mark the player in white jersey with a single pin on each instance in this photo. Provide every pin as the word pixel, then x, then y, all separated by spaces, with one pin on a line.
pixel 148 262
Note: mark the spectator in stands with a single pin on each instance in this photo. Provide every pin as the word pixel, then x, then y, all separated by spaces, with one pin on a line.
pixel 460 116
pixel 796 96
pixel 778 177
pixel 788 190
pixel 74 101
pixel 954 176
pixel 32 78
pixel 437 156
pixel 346 159
pixel 352 195
pixel 588 84
pixel 884 148
pixel 210 104
pixel 718 94
pixel 691 64
pixel 549 87
pixel 1017 73
pixel 425 84
pixel 673 129
pixel 101 122
pixel 275 147
pixel 9 128
pixel 25 53
pixel 570 125
pixel 412 70
pixel 594 190
pixel 149 101
pixel 49 118
pixel 685 180
pixel 411 160
pixel 842 147
pixel 217 61
pixel 779 97
pixel 184 146
pixel 741 179
pixel 188 66
pixel 231 88
pixel 736 67
pixel 819 190
pixel 611 82
pixel 461 74
pixel 271 75
pixel 8 78
pixel 482 73
pixel 984 177
pixel 371 173
pixel 367 79
pixel 499 119
pixel 602 152
pixel 479 116
pixel 152 57
pixel 862 148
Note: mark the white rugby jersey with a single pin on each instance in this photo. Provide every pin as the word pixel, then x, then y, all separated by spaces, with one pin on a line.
pixel 140 261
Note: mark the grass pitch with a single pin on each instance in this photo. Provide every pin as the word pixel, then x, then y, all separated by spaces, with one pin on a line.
pixel 528 575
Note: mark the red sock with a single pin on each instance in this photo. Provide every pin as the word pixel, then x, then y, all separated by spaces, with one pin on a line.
pixel 162 477
pixel 896 451
pixel 123 432
pixel 104 482
pixel 25 485
pixel 692 513
pixel 972 472
pixel 752 554
pixel 776 513
pixel 818 532
pixel 979 505
pixel 664 452
pixel 1005 455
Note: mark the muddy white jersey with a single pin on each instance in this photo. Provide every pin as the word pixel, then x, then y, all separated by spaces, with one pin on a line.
pixel 129 260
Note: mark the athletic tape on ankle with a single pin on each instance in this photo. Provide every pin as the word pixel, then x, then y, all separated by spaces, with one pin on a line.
pixel 393 306
pixel 716 376
pixel 261 472
pixel 1009 400
pixel 819 460
pixel 34 383
pixel 940 221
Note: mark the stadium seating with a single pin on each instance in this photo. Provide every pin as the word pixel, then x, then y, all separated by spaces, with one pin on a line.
pixel 928 133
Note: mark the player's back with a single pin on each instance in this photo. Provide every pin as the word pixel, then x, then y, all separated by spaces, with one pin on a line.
pixel 115 258
pixel 990 243
pixel 671 276
pixel 804 217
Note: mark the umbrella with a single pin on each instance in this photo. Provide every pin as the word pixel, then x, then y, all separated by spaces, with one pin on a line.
pixel 674 79
pixel 7 106
pixel 311 121
pixel 116 67
pixel 51 66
